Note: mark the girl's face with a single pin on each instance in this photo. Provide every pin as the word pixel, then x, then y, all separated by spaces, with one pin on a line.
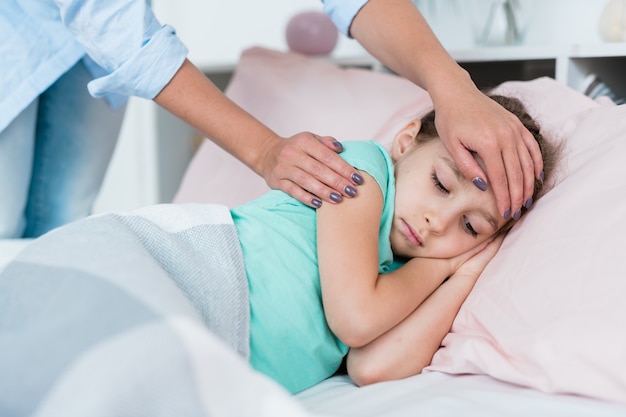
pixel 438 213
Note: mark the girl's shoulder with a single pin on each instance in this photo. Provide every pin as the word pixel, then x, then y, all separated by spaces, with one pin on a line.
pixel 371 157
pixel 363 147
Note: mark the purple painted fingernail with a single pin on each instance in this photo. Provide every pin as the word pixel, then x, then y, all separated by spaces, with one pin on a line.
pixel 316 202
pixel 335 197
pixel 528 203
pixel 480 184
pixel 517 214
pixel 350 190
pixel 338 145
pixel 542 176
pixel 357 178
pixel 507 214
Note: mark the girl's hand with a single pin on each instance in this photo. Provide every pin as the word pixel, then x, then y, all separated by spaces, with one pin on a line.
pixel 476 264
pixel 307 167
pixel 456 262
pixel 409 346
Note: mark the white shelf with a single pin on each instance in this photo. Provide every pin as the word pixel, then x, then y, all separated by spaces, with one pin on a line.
pixel 569 64
pixel 534 52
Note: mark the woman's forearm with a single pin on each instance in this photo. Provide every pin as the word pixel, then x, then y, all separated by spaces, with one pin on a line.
pixel 305 166
pixel 469 123
pixel 412 51
pixel 192 97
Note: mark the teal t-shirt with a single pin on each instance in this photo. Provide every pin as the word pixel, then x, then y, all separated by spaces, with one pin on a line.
pixel 289 338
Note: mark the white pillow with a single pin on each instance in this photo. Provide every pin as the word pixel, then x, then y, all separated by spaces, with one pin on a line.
pixel 548 311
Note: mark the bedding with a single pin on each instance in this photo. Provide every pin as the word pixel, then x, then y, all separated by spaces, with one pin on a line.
pixel 109 315
pixel 9 248
pixel 437 394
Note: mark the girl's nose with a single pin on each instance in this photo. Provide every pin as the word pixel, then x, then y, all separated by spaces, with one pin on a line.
pixel 437 221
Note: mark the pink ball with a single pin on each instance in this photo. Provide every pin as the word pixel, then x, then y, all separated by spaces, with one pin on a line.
pixel 311 33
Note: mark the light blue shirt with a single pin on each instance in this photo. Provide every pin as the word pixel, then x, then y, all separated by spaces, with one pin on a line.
pixel 124 46
pixel 342 12
pixel 131 53
pixel 290 340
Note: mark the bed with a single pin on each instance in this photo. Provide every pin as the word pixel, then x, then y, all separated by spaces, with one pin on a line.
pixel 541 334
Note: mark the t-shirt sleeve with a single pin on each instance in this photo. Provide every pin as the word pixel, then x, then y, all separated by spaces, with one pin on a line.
pixel 138 55
pixel 342 12
pixel 372 158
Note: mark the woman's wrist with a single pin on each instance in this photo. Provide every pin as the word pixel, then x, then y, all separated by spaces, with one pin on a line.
pixel 445 88
pixel 260 156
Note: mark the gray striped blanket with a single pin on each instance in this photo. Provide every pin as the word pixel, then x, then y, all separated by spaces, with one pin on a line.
pixel 107 316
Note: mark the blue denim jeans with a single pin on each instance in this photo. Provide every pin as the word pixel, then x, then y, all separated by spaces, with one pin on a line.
pixel 53 157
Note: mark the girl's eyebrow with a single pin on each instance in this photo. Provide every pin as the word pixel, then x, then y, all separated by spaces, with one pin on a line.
pixel 455 169
pixel 461 178
pixel 490 219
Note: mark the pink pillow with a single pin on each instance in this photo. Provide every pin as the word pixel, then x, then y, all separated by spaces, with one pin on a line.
pixel 549 310
pixel 292 93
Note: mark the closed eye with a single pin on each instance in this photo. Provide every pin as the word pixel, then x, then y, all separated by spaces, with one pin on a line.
pixel 467 226
pixel 438 183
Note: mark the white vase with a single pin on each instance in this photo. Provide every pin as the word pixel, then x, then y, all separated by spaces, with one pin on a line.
pixel 612 25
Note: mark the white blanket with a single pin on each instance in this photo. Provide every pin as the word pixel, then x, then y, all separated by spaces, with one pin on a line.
pixel 144 313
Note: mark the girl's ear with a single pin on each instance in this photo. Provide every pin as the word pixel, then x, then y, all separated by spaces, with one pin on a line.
pixel 405 138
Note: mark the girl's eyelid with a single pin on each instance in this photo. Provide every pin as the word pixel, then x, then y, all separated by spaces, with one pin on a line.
pixel 485 226
pixel 438 184
pixel 465 220
pixel 469 228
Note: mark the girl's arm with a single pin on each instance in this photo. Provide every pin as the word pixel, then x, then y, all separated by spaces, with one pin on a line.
pixel 360 304
pixel 409 347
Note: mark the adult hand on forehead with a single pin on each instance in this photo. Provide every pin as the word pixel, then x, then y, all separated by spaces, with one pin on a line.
pixel 472 122
pixel 395 32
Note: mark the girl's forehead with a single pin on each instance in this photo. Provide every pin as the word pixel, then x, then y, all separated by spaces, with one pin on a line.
pixel 481 202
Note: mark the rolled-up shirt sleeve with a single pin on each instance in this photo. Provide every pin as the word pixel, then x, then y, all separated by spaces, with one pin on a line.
pixel 139 56
pixel 342 12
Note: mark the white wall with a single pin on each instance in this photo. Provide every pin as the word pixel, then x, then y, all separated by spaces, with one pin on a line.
pixel 566 22
pixel 551 21
pixel 216 31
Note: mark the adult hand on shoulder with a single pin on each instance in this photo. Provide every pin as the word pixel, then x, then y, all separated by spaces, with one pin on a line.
pixel 305 166
pixel 308 168
pixel 471 122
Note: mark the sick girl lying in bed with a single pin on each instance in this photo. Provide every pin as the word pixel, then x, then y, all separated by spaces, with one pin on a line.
pixel 378 278
pixel 366 277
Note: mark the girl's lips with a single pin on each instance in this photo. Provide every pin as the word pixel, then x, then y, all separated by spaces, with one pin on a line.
pixel 411 234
